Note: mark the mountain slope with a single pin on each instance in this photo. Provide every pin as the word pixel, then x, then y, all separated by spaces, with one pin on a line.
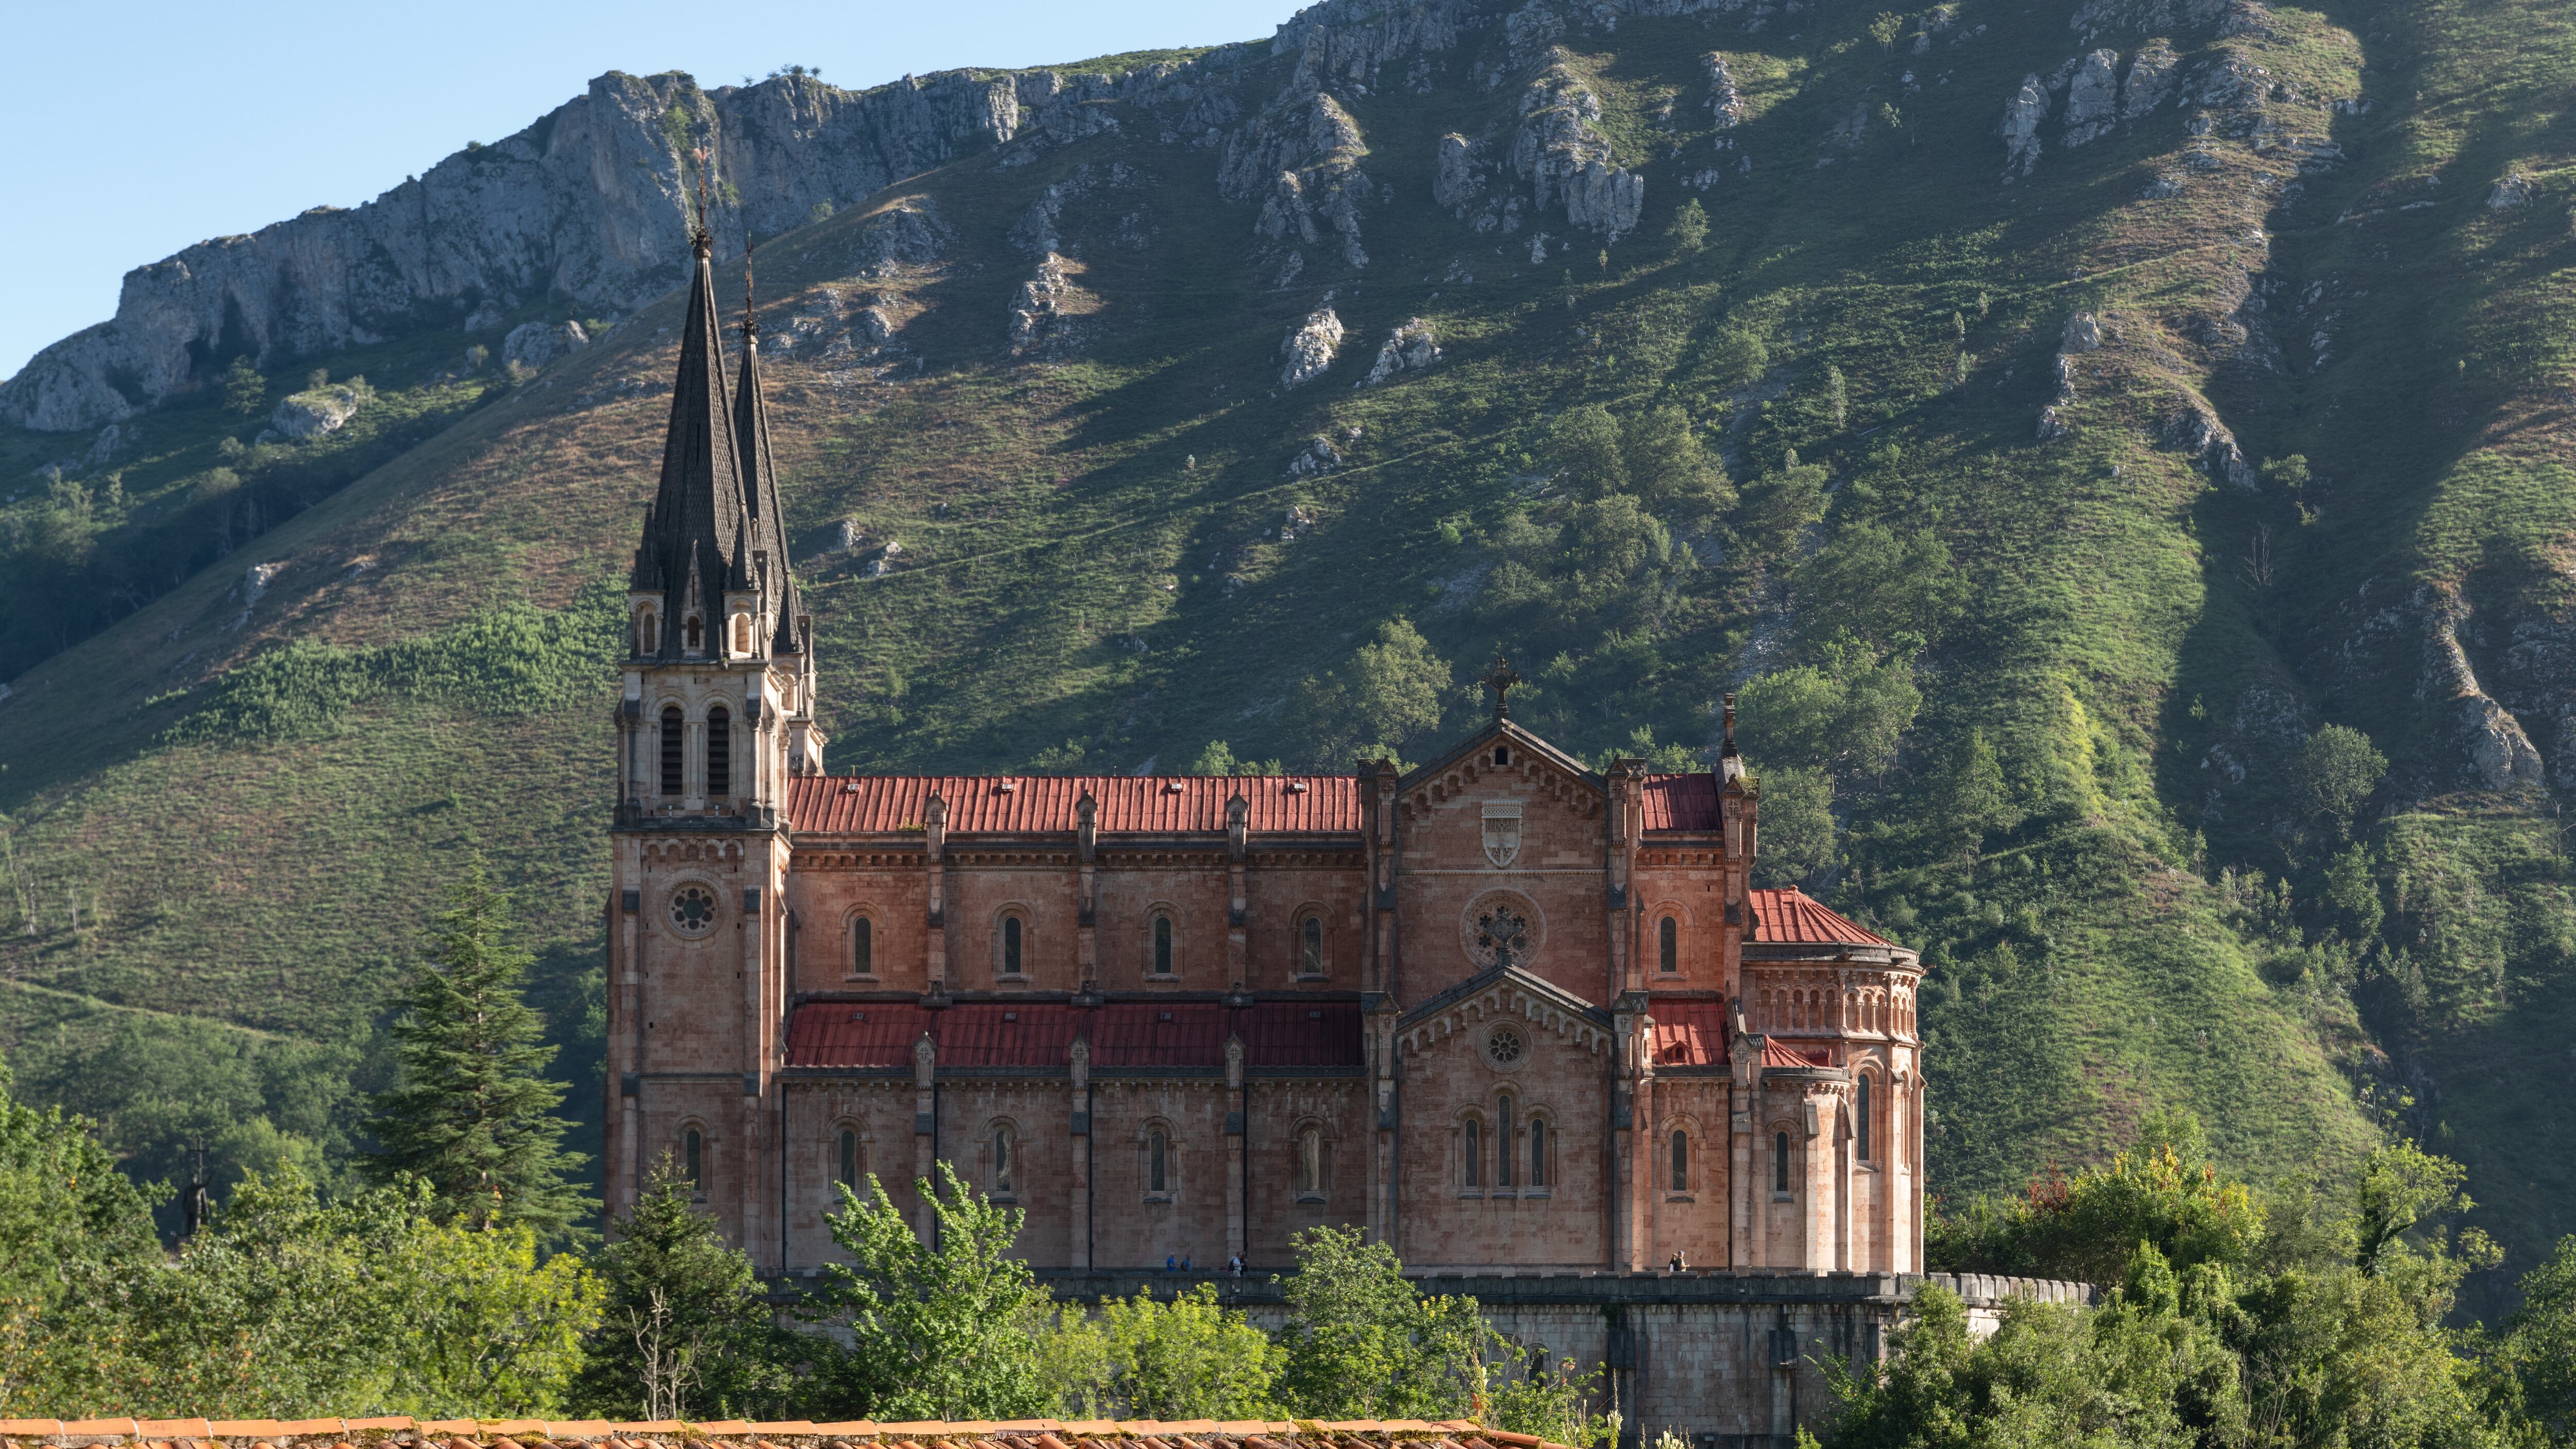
pixel 2046 284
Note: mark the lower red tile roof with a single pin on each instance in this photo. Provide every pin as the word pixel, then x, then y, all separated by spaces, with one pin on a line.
pixel 1780 1052
pixel 1793 915
pixel 1682 802
pixel 1689 1033
pixel 1044 804
pixel 1040 1034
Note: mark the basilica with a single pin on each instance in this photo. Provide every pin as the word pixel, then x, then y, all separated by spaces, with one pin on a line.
pixel 1508 1013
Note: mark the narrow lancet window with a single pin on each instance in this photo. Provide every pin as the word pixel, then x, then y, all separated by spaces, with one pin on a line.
pixel 1162 945
pixel 863 947
pixel 674 733
pixel 1681 1161
pixel 1310 956
pixel 1780 1162
pixel 1668 955
pixel 1475 1153
pixel 719 752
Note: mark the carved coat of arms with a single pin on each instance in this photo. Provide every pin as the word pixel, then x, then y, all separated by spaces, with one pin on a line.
pixel 1502 833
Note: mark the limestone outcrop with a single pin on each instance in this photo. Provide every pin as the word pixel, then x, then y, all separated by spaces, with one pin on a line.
pixel 2020 127
pixel 1567 161
pixel 1412 347
pixel 1310 349
pixel 2093 98
pixel 588 205
pixel 315 411
pixel 535 344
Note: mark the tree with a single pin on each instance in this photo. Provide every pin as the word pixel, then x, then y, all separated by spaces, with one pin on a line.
pixel 471 1116
pixel 1362 1344
pixel 1797 824
pixel 944 1332
pixel 1736 356
pixel 1780 505
pixel 1583 456
pixel 1843 713
pixel 2335 772
pixel 1689 229
pixel 1389 692
pixel 685 1332
pixel 245 391
pixel 68 1219
pixel 1966 794
pixel 1218 759
pixel 1898 591
pixel 1670 466
pixel 2539 1347
pixel 1837 396
pixel 1140 1359
pixel 1885 29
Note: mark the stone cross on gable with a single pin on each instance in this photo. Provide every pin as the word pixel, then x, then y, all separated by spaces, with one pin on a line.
pixel 1500 680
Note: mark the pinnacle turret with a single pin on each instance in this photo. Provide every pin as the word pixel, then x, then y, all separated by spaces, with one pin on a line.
pixel 764 546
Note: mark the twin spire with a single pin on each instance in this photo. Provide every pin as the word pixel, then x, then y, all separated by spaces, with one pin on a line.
pixel 715 526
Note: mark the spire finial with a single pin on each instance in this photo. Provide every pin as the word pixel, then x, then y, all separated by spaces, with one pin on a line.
pixel 1728 748
pixel 701 238
pixel 750 320
pixel 1500 680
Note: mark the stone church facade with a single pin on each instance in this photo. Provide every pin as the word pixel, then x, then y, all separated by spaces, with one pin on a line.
pixel 1508 1012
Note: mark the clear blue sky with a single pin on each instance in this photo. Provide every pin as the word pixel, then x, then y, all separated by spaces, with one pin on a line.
pixel 147 127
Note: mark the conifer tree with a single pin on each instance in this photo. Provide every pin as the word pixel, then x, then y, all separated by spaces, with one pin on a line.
pixel 473 1116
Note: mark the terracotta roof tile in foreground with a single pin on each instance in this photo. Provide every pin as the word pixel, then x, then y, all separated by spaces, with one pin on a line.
pixel 1791 915
pixel 736 1434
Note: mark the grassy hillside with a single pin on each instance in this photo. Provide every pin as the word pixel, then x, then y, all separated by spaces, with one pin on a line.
pixel 240 810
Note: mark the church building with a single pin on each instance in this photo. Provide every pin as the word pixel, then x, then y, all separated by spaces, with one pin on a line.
pixel 1507 1012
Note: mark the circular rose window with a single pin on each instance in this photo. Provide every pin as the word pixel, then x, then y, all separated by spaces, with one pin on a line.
pixel 1504 1046
pixel 1501 928
pixel 693 910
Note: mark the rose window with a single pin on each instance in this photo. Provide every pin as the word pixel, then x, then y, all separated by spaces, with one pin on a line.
pixel 693 909
pixel 1503 1046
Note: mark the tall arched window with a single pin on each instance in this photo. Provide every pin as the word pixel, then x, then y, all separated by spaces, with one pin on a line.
pixel 863 947
pixel 1503 1140
pixel 674 734
pixel 1860 1117
pixel 1158 1162
pixel 1310 1162
pixel 719 752
pixel 1681 1161
pixel 847 1171
pixel 648 633
pixel 1162 945
pixel 1310 947
pixel 1002 1163
pixel 1538 1152
pixel 742 633
pixel 696 635
pixel 1780 1162
pixel 1475 1153
pixel 1010 945
pixel 1668 952
pixel 693 1158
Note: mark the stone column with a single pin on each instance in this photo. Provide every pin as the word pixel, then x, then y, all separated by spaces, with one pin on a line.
pixel 934 814
pixel 925 1128
pixel 1238 1124
pixel 1081 1122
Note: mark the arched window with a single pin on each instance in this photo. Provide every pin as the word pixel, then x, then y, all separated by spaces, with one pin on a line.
pixel 1158 1161
pixel 863 947
pixel 719 752
pixel 846 1171
pixel 1310 1162
pixel 693 1158
pixel 1002 1161
pixel 695 635
pixel 1503 1141
pixel 1475 1153
pixel 742 633
pixel 1011 945
pixel 1162 945
pixel 1502 755
pixel 1680 1181
pixel 1668 950
pixel 1860 1117
pixel 648 635
pixel 1310 946
pixel 1780 1162
pixel 674 733
pixel 1538 1152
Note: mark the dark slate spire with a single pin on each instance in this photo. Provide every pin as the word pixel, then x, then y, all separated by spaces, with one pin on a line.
pixel 692 549
pixel 768 531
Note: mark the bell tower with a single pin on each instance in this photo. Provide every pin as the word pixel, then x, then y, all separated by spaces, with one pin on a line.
pixel 715 714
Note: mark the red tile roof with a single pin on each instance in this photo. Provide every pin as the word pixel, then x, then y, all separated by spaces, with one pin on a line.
pixel 737 1434
pixel 1793 915
pixel 1689 1033
pixel 1779 1052
pixel 1682 802
pixel 1037 804
pixel 1040 1034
